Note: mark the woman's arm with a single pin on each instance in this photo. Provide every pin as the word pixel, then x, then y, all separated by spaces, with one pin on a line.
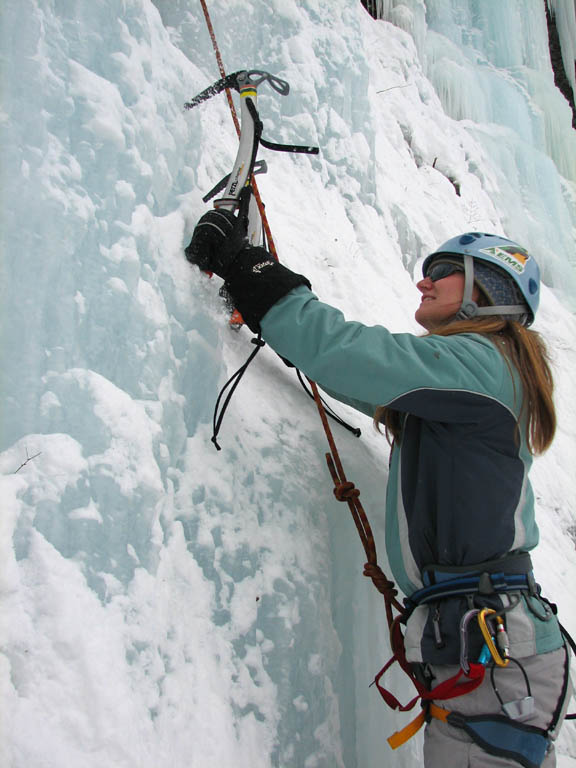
pixel 370 366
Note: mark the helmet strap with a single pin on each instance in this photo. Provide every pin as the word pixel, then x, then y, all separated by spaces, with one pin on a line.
pixel 468 308
pixel 508 309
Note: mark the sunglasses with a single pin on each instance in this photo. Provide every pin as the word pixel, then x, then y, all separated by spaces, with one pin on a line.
pixel 440 270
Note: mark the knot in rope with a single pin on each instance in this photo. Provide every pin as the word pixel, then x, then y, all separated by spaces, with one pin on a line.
pixel 346 491
pixel 381 582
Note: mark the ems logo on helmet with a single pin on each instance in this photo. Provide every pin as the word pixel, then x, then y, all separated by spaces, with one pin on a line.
pixel 513 256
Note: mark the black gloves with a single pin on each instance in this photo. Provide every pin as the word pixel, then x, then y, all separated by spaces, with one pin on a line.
pixel 254 280
pixel 216 241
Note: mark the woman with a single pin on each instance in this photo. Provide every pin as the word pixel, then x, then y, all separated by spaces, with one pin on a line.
pixel 467 406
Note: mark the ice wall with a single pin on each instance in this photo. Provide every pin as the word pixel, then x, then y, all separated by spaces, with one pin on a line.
pixel 164 604
pixel 490 65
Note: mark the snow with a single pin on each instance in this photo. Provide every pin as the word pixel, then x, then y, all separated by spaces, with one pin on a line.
pixel 164 603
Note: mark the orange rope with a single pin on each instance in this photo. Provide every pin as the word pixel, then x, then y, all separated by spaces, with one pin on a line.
pixel 220 63
pixel 344 490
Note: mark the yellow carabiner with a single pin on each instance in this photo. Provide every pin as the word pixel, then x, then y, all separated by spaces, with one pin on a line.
pixel 488 636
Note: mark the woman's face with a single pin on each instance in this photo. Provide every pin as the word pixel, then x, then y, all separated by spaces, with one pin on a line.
pixel 441 299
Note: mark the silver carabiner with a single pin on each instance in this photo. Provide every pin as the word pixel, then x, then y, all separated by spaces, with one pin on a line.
pixel 464 621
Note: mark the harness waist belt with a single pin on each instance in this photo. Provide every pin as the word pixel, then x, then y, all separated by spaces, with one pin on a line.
pixel 507 574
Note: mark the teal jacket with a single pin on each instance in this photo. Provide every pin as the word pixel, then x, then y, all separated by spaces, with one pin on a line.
pixel 458 492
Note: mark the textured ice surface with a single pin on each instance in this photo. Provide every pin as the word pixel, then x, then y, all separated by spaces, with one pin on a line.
pixel 162 603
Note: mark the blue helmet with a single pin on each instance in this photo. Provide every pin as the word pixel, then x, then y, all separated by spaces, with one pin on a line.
pixel 502 269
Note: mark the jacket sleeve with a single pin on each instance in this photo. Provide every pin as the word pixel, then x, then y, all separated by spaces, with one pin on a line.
pixel 367 366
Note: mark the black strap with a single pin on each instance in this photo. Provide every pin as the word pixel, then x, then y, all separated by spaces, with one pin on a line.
pixel 232 382
pixel 570 641
pixel 270 144
pixel 235 379
pixel 568 637
pixel 492 584
pixel 289 147
pixel 355 430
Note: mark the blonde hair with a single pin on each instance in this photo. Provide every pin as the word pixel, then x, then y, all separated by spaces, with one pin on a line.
pixel 526 352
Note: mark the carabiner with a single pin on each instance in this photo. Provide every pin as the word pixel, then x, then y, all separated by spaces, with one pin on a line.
pixel 482 623
pixel 464 621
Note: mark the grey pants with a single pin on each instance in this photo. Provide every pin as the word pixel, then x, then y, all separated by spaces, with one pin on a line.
pixel 445 745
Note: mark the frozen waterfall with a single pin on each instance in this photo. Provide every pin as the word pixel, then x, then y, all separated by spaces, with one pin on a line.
pixel 164 604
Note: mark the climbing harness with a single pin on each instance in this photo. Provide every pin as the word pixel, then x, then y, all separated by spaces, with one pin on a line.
pixel 499 735
pixel 510 574
pixel 503 734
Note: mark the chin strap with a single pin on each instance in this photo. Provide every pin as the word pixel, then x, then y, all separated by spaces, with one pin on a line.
pixel 470 308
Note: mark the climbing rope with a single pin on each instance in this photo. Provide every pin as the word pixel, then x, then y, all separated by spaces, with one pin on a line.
pixel 344 490
pixel 220 63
